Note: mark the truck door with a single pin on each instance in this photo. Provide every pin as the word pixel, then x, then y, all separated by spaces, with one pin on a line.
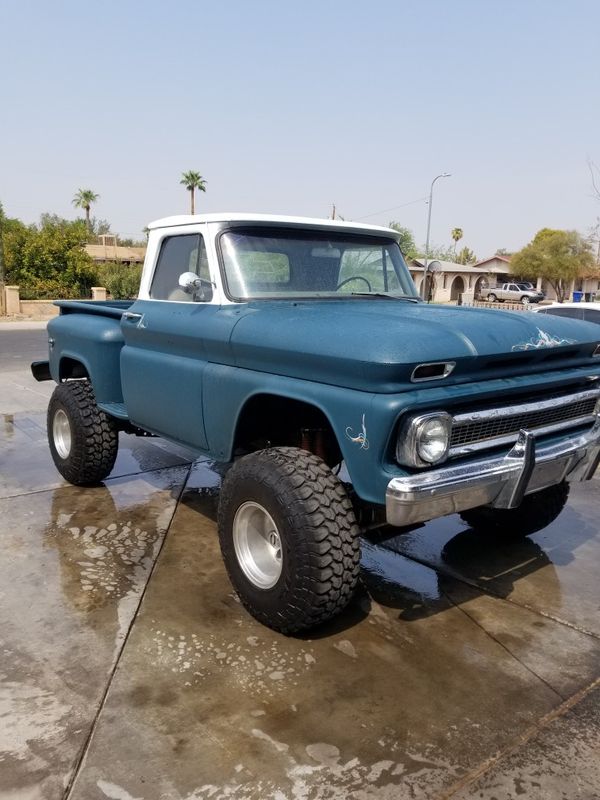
pixel 167 339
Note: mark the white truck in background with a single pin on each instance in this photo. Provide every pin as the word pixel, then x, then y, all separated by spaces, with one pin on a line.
pixel 515 292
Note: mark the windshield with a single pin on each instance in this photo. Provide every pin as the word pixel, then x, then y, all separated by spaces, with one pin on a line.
pixel 280 263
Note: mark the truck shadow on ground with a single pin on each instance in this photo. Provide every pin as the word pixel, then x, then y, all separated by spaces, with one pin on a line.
pixel 417 572
pixel 397 573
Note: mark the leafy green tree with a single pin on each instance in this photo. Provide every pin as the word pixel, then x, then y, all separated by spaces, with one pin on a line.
pixel 49 261
pixel 502 251
pixel 192 181
pixel 457 235
pixel 84 199
pixel 438 253
pixel 466 256
pixel 121 280
pixel 557 256
pixel 406 239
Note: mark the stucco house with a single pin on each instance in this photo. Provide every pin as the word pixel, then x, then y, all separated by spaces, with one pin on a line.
pixel 588 286
pixel 109 250
pixel 451 281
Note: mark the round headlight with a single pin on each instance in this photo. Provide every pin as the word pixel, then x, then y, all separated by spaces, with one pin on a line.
pixel 424 439
pixel 433 439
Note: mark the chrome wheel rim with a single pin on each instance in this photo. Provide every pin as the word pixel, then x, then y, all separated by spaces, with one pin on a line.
pixel 61 433
pixel 257 545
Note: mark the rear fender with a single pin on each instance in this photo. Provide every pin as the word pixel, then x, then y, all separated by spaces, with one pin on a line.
pixel 93 341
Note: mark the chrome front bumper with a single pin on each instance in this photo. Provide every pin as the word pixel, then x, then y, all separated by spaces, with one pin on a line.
pixel 497 481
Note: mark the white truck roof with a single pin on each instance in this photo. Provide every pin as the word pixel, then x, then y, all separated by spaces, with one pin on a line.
pixel 328 224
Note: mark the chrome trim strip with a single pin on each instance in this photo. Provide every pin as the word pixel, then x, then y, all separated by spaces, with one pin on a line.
pixel 524 408
pixel 488 444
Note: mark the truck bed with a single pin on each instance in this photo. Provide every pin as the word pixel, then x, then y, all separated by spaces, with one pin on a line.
pixel 104 308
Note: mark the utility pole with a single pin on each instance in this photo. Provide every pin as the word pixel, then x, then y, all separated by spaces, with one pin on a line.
pixel 443 175
pixel 333 212
pixel 2 268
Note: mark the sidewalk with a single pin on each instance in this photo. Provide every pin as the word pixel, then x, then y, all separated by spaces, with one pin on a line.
pixel 14 324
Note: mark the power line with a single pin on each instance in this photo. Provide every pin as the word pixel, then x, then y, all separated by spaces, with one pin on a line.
pixel 394 208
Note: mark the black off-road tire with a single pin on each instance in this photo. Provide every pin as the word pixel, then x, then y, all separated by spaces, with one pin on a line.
pixel 536 512
pixel 94 435
pixel 320 547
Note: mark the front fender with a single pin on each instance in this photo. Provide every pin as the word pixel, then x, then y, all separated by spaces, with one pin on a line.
pixel 361 434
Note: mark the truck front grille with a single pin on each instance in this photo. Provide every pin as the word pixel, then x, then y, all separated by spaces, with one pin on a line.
pixel 496 426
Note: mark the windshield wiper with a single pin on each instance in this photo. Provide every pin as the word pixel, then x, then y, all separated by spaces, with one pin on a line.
pixel 405 298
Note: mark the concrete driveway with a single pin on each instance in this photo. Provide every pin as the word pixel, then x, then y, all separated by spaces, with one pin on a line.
pixel 464 668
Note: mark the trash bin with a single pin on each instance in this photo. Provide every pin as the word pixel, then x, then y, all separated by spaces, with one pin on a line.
pixel 587 296
pixel 577 297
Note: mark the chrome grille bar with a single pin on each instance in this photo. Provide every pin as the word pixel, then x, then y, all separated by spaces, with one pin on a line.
pixel 493 427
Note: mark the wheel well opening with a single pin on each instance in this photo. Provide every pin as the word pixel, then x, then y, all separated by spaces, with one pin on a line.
pixel 70 368
pixel 272 421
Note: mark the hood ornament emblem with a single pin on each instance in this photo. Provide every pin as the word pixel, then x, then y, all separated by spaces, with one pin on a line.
pixel 542 340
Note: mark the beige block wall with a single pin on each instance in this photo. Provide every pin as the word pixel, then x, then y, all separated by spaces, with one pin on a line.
pixel 38 308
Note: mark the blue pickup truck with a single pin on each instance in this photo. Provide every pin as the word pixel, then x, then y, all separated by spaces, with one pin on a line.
pixel 298 352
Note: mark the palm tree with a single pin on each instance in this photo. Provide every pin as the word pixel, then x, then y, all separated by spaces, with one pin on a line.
pixel 193 180
pixel 84 199
pixel 457 234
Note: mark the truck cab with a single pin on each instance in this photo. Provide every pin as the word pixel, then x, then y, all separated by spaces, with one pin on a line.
pixel 298 352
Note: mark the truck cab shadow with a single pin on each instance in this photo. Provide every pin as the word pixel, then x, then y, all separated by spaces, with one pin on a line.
pixel 419 583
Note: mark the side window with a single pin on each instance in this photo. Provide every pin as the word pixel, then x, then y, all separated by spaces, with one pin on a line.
pixel 178 254
pixel 591 315
pixel 573 313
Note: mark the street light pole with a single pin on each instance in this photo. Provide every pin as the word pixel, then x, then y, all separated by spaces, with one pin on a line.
pixel 437 177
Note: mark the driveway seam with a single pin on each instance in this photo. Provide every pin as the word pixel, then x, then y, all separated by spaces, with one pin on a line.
pixel 491 593
pixel 86 745
pixel 503 646
pixel 537 727
pixel 106 480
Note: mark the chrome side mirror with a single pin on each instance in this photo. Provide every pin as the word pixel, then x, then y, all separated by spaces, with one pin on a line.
pixel 189 282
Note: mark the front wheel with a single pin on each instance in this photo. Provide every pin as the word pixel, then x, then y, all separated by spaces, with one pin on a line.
pixel 536 511
pixel 289 538
pixel 525 300
pixel 83 439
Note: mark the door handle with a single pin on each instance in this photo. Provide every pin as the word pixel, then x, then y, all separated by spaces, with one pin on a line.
pixel 131 316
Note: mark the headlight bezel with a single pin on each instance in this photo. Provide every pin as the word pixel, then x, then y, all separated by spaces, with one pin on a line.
pixel 408 451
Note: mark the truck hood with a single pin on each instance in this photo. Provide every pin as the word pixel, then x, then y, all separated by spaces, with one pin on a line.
pixel 374 345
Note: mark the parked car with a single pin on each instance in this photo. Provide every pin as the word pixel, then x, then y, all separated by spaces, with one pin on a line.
pixel 589 312
pixel 288 347
pixel 516 292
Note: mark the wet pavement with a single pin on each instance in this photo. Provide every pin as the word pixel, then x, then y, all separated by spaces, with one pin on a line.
pixel 463 668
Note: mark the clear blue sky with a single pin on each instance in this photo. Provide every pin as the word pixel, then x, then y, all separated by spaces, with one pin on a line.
pixel 288 107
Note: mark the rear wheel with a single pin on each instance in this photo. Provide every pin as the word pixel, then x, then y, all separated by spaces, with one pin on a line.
pixel 491 298
pixel 83 439
pixel 536 511
pixel 289 538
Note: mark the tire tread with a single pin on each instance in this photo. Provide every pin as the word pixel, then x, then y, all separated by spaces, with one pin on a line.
pixel 324 530
pixel 95 435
